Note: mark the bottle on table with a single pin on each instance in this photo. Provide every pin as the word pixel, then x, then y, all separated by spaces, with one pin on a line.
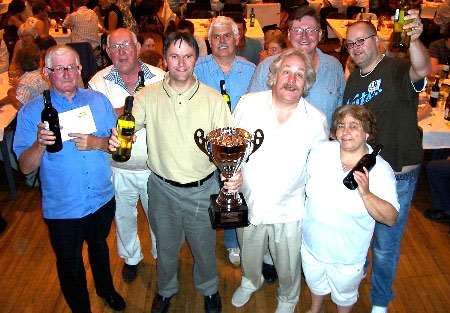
pixel 125 130
pixel 434 94
pixel 400 38
pixel 368 161
pixel 49 116
pixel 447 109
pixel 445 69
pixel 225 95
pixel 141 83
pixel 252 17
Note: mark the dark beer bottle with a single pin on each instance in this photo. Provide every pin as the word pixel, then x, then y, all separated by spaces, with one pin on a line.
pixel 225 95
pixel 368 161
pixel 125 130
pixel 141 83
pixel 49 116
pixel 447 109
pixel 252 17
pixel 400 38
pixel 434 95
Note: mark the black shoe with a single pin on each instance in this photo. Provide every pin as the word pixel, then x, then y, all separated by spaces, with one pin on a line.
pixel 129 272
pixel 160 304
pixel 114 301
pixel 213 303
pixel 269 273
pixel 438 216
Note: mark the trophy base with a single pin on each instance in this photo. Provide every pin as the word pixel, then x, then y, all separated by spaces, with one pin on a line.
pixel 228 218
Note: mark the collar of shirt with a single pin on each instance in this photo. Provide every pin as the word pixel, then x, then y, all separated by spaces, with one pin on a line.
pixel 114 76
pixel 58 97
pixel 186 95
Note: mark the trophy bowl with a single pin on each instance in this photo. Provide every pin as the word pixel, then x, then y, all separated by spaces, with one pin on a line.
pixel 228 148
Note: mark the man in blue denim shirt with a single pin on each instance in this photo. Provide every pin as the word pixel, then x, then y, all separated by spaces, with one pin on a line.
pixel 77 193
pixel 304 33
pixel 236 72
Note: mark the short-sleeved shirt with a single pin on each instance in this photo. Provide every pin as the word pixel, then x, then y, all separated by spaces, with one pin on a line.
pixel 236 80
pixel 74 183
pixel 171 119
pixel 326 92
pixel 83 24
pixel 31 84
pixel 390 94
pixel 251 50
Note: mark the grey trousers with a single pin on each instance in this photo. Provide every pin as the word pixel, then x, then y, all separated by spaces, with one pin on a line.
pixel 176 213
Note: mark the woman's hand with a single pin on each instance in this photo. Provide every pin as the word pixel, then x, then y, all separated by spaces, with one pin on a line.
pixel 363 182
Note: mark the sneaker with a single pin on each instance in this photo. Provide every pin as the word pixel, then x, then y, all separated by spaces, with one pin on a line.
pixel 284 307
pixel 241 297
pixel 234 255
pixel 379 309
pixel 129 272
pixel 213 303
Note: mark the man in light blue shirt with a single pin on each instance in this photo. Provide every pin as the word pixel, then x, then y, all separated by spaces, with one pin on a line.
pixel 77 193
pixel 236 72
pixel 305 33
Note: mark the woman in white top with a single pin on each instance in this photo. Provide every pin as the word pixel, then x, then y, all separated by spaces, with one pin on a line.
pixel 338 223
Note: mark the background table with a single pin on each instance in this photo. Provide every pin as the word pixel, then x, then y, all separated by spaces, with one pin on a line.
pixel 59 36
pixel 436 131
pixel 201 29
pixel 7 115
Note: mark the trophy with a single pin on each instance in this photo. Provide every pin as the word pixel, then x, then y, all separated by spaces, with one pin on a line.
pixel 228 148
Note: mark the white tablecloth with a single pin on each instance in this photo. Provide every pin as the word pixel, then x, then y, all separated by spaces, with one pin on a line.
pixel 436 131
pixel 59 36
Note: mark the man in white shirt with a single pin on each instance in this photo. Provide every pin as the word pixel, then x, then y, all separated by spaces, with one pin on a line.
pixel 83 24
pixel 291 126
pixel 130 179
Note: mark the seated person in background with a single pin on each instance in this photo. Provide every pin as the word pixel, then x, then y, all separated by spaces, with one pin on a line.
pixel 187 26
pixel 150 41
pixel 248 48
pixel 83 23
pixel 440 53
pixel 438 172
pixel 337 229
pixel 153 58
pixel 274 44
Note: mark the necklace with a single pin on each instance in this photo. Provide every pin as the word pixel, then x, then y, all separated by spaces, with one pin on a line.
pixel 379 60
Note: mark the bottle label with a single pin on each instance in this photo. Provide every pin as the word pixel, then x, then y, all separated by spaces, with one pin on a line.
pixel 46 125
pixel 396 15
pixel 434 94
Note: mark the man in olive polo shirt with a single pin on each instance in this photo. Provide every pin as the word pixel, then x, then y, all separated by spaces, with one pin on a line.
pixel 183 178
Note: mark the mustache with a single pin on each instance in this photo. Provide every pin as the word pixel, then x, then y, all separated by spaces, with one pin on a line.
pixel 289 86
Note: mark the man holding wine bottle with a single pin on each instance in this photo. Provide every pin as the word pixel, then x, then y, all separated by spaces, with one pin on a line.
pixel 230 75
pixel 390 86
pixel 77 193
pixel 123 78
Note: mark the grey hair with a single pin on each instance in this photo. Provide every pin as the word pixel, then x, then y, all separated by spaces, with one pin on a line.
pixel 133 36
pixel 310 74
pixel 221 21
pixel 60 50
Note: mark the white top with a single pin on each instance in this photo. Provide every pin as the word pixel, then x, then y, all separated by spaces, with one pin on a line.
pixel 117 94
pixel 274 177
pixel 337 227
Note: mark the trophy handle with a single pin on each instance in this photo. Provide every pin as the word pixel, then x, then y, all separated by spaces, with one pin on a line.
pixel 200 140
pixel 258 138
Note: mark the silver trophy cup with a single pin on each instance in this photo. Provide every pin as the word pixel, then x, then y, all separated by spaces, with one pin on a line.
pixel 228 148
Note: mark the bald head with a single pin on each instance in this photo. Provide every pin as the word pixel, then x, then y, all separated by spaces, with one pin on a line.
pixel 122 32
pixel 363 26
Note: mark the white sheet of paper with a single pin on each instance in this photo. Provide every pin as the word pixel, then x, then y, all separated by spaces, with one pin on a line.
pixel 78 120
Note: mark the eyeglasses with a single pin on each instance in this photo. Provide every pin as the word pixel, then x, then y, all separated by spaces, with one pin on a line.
pixel 117 46
pixel 305 31
pixel 357 42
pixel 59 70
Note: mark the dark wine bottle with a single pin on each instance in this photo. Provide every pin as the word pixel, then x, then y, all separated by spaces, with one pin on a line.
pixel 141 83
pixel 446 69
pixel 368 161
pixel 225 95
pixel 125 130
pixel 49 116
pixel 434 95
pixel 252 17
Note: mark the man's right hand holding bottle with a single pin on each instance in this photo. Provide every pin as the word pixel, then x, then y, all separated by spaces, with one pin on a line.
pixel 44 137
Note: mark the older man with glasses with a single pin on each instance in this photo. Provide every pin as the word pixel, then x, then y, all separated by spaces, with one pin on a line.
pixel 389 87
pixel 77 194
pixel 129 178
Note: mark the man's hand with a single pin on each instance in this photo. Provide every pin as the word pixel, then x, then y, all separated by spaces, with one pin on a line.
pixel 234 183
pixel 413 25
pixel 44 137
pixel 113 142
pixel 84 142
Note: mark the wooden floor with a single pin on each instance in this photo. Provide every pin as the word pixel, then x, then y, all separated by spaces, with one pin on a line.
pixel 28 280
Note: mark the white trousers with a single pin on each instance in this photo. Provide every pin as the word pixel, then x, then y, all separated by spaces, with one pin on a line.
pixel 284 242
pixel 130 186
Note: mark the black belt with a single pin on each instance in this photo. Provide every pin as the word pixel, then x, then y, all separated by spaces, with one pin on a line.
pixel 188 185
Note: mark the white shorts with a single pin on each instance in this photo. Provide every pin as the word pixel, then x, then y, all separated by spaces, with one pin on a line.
pixel 342 281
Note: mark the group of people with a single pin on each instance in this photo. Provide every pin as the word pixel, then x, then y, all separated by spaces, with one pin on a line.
pixel 316 127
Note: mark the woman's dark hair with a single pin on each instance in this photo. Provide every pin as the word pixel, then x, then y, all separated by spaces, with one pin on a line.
pixel 29 57
pixel 185 25
pixel 44 43
pixel 358 112
pixel 16 6
pixel 179 36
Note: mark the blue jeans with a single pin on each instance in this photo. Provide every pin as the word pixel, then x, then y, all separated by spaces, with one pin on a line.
pixel 230 238
pixel 386 241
